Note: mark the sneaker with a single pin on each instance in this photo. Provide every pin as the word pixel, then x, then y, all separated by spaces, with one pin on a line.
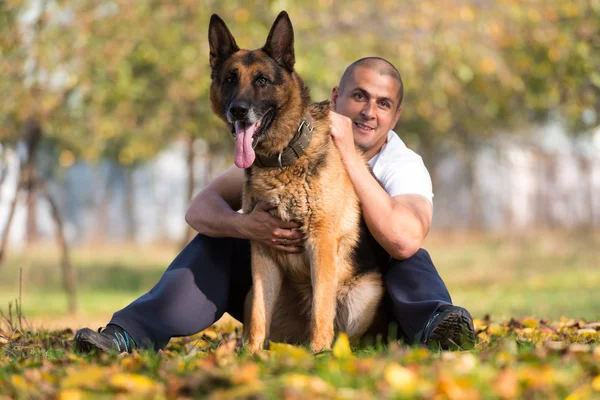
pixel 112 339
pixel 450 328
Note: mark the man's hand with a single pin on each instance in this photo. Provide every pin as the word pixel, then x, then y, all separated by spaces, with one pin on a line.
pixel 271 231
pixel 343 137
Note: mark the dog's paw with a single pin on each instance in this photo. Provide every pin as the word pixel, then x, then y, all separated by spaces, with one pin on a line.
pixel 254 347
pixel 318 346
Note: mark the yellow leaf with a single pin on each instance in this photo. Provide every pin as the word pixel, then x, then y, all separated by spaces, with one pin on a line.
pixel 287 350
pixel 341 348
pixel 448 387
pixel 245 374
pixel 496 330
pixel 529 322
pixel 70 394
pixel 400 378
pixel 587 333
pixel 313 384
pixel 18 382
pixel 91 377
pixel 132 383
pixel 596 383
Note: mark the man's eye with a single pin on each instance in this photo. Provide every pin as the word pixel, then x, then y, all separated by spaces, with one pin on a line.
pixel 358 96
pixel 262 81
pixel 385 104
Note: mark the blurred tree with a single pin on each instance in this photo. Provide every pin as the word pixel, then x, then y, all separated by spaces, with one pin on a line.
pixel 118 80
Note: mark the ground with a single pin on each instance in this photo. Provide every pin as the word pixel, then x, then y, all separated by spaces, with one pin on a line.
pixel 535 301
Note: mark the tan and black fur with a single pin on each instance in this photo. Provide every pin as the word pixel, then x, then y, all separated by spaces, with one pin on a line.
pixel 297 298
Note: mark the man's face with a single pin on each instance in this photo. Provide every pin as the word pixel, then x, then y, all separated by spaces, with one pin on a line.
pixel 370 100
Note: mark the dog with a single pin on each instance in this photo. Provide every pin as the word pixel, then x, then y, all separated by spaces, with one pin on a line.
pixel 284 144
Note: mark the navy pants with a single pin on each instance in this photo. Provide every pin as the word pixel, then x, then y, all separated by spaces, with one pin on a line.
pixel 212 276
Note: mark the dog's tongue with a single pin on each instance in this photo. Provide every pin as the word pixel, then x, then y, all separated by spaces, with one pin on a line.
pixel 244 153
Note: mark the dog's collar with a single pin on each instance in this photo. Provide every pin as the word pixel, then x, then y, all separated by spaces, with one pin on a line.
pixel 294 150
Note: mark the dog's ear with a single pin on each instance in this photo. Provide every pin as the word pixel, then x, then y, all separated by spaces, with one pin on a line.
pixel 280 42
pixel 221 41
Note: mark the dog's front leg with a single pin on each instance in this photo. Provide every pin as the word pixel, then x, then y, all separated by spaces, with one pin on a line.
pixel 324 283
pixel 266 284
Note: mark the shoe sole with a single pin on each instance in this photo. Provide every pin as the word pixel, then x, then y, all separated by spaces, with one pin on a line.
pixel 454 331
pixel 85 343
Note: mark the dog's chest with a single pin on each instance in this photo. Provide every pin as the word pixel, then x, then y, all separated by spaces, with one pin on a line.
pixel 292 196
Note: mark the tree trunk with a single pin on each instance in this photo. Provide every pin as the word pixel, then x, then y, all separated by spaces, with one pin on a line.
pixel 31 135
pixel 190 184
pixel 129 206
pixel 6 233
pixel 69 280
pixel 476 211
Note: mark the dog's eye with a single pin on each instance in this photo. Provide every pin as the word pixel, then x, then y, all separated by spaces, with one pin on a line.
pixel 230 79
pixel 262 81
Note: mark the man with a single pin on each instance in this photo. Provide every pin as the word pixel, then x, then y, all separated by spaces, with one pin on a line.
pixel 212 276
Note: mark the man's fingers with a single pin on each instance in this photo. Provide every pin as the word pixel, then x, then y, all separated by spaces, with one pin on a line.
pixel 289 234
pixel 290 225
pixel 264 205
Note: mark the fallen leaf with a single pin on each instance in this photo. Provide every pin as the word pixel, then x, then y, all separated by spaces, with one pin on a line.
pixel 70 394
pixel 587 333
pixel 596 383
pixel 226 349
pixel 287 350
pixel 133 383
pixel 592 325
pixel 245 374
pixel 465 363
pixel 507 384
pixel 580 348
pixel 341 348
pixel 19 382
pixel 91 377
pixel 400 378
pixel 529 322
pixel 311 383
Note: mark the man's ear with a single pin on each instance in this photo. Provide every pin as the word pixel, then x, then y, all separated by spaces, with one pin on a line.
pixel 221 41
pixel 397 116
pixel 280 42
pixel 335 93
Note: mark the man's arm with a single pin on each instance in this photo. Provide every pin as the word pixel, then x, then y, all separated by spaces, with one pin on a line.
pixel 212 212
pixel 399 224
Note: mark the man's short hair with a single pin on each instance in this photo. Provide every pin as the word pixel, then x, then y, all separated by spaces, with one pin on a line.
pixel 383 66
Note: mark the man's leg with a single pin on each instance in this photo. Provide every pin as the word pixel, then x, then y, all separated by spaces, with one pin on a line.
pixel 421 305
pixel 193 293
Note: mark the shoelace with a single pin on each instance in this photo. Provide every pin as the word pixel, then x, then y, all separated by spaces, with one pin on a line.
pixel 123 342
pixel 437 314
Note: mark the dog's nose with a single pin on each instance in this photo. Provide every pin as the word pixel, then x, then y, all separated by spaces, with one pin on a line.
pixel 239 109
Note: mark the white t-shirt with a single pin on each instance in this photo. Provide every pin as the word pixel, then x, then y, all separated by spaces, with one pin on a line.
pixel 400 170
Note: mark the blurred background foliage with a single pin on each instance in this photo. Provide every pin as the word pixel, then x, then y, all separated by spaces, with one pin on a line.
pixel 120 79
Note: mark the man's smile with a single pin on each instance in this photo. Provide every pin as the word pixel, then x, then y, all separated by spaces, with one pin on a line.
pixel 364 128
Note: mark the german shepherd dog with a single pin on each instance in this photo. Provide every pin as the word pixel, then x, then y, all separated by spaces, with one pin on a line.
pixel 283 142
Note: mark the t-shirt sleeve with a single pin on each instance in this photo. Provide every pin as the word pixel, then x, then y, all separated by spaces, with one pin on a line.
pixel 407 176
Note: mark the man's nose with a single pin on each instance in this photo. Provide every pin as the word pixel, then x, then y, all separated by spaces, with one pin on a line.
pixel 368 110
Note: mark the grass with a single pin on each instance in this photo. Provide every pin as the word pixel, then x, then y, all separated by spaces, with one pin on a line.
pixel 541 357
pixel 546 275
